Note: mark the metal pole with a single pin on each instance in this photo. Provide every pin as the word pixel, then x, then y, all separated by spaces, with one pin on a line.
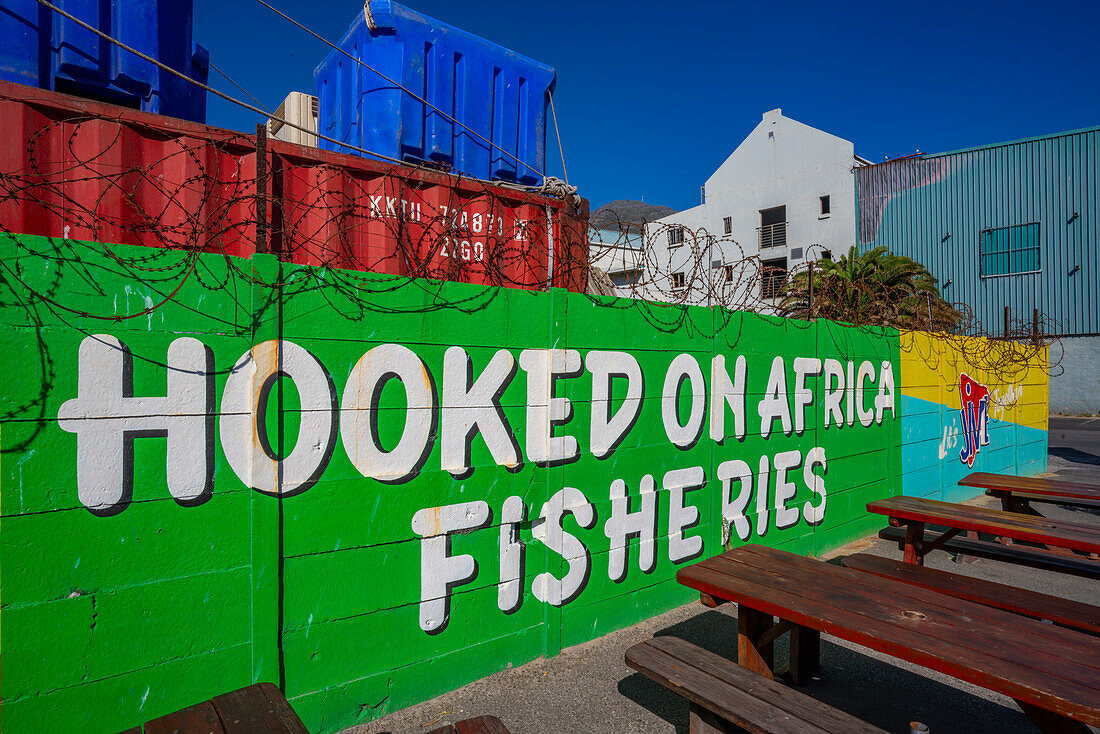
pixel 1035 324
pixel 261 188
pixel 1008 319
pixel 549 247
pixel 928 300
pixel 810 293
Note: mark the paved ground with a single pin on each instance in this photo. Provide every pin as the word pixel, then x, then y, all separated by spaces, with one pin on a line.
pixel 588 687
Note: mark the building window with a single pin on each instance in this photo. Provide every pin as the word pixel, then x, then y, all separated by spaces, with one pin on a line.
pixel 675 236
pixel 773 277
pixel 1010 250
pixel 773 227
pixel 677 281
pixel 729 273
pixel 727 225
pixel 626 278
pixel 825 207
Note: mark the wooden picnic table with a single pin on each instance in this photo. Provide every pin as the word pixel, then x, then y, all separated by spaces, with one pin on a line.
pixel 1017 493
pixel 914 513
pixel 1053 673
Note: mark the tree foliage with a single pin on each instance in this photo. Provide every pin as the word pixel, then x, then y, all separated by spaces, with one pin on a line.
pixel 874 288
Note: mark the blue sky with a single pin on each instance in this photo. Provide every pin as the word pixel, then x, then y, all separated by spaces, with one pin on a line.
pixel 653 96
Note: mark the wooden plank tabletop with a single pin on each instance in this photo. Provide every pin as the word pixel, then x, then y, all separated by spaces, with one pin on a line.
pixel 1032 485
pixel 1069 535
pixel 1050 667
pixel 1022 601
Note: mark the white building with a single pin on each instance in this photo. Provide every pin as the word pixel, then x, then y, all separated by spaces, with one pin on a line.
pixel 784 198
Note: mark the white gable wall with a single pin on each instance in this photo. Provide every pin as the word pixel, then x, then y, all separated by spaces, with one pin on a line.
pixel 781 162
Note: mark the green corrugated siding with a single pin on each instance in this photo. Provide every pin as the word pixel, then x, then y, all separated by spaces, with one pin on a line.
pixel 934 209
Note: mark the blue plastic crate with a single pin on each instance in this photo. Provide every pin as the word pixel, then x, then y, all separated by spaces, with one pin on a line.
pixel 43 49
pixel 497 93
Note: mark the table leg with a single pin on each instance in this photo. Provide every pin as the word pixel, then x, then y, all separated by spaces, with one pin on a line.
pixel 702 721
pixel 805 654
pixel 1049 722
pixel 751 625
pixel 914 543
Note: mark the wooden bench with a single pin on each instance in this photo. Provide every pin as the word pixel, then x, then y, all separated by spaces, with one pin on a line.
pixel 1052 672
pixel 914 513
pixel 722 694
pixel 1064 612
pixel 476 725
pixel 1017 493
pixel 1016 554
pixel 256 709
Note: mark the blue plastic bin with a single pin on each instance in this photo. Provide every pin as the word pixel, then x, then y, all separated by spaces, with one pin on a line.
pixel 497 93
pixel 43 49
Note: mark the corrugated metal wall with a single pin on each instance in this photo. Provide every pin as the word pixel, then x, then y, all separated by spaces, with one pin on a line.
pixel 933 208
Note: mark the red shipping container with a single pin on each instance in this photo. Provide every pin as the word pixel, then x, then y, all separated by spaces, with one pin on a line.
pixel 86 170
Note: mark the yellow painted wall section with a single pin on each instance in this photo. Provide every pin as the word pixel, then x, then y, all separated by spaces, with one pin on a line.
pixel 1016 374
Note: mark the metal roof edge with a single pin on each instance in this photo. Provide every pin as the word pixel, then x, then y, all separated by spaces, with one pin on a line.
pixel 1048 136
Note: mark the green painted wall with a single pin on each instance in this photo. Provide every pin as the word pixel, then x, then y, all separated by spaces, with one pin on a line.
pixel 175 589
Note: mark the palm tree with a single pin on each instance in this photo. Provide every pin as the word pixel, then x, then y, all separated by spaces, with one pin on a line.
pixel 874 288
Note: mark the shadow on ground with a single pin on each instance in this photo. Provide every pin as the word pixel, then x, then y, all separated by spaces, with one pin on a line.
pixel 1075 456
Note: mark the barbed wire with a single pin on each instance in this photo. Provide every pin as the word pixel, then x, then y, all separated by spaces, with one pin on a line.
pixel 673 263
pixel 113 181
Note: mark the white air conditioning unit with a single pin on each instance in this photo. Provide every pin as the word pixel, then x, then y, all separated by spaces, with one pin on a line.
pixel 298 109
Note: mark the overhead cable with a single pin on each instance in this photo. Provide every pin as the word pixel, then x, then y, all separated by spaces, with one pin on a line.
pixel 398 84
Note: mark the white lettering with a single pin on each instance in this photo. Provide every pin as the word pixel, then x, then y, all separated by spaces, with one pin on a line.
pixel 546 587
pixel 774 403
pixel 733 510
pixel 683 367
pixel 244 439
pixel 104 420
pixel 885 398
pixel 803 396
pixel 680 516
pixel 440 572
pixel 723 392
pixel 624 524
pixel 607 430
pixel 834 370
pixel 543 409
pixel 359 413
pixel 471 407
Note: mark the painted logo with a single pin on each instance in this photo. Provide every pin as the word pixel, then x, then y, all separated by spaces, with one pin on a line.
pixel 975 417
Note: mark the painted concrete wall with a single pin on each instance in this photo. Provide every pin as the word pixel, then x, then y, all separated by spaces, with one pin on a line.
pixel 448 479
pixel 781 162
pixel 1075 386
pixel 969 405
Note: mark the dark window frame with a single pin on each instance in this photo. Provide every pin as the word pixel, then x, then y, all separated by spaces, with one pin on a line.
pixel 773 277
pixel 1010 253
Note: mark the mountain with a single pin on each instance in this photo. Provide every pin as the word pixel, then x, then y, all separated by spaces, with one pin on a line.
pixel 628 212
